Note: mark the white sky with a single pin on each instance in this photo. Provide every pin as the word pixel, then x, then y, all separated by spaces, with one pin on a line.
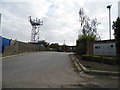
pixel 60 18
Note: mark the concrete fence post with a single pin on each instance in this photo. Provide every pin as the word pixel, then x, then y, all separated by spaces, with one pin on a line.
pixel 89 47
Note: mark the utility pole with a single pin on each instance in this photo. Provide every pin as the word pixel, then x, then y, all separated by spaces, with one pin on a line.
pixel 109 7
pixel 64 46
pixel 119 9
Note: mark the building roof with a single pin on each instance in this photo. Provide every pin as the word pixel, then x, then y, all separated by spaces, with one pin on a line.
pixel 105 41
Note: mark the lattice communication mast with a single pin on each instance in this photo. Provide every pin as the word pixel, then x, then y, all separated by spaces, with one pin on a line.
pixel 36 23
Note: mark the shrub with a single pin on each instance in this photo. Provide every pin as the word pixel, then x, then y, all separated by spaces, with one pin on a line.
pixel 109 60
pixel 86 57
pixel 117 60
pixel 81 44
pixel 116 27
pixel 101 59
pixel 96 58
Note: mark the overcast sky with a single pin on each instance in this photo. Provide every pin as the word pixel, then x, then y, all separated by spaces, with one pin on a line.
pixel 60 18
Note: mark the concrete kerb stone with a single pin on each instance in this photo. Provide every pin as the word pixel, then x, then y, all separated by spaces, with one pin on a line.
pixel 85 70
pixel 18 54
pixel 75 63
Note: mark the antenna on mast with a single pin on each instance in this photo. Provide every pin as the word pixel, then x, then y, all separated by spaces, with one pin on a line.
pixel 36 23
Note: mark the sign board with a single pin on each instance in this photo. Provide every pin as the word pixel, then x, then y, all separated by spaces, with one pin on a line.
pixel 108 49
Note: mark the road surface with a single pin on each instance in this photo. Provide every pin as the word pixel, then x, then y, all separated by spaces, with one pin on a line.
pixel 47 70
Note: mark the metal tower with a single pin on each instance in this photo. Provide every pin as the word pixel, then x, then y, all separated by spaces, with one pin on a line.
pixel 36 23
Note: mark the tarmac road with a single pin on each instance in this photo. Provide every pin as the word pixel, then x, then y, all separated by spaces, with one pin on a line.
pixel 48 70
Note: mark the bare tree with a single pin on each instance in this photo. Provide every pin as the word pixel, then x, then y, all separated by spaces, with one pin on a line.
pixel 88 26
pixel 82 16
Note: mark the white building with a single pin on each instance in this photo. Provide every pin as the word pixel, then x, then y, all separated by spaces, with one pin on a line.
pixel 119 9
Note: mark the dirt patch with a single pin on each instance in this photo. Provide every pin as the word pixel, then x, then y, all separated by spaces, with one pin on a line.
pixel 90 65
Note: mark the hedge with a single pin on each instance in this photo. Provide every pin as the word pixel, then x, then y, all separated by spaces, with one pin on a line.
pixel 86 57
pixel 96 58
pixel 117 60
pixel 101 59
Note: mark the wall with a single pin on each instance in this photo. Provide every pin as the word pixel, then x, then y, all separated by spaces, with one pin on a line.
pixel 17 47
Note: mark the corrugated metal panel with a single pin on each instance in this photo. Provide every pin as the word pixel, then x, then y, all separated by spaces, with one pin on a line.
pixel 4 42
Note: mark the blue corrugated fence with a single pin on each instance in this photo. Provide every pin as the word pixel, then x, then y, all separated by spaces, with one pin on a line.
pixel 4 42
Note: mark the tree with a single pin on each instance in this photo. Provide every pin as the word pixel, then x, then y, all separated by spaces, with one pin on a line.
pixel 89 31
pixel 82 17
pixel 116 27
pixel 81 44
pixel 88 26
pixel 46 44
pixel 55 46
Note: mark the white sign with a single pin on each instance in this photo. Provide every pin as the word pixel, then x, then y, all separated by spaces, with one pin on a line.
pixel 108 49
